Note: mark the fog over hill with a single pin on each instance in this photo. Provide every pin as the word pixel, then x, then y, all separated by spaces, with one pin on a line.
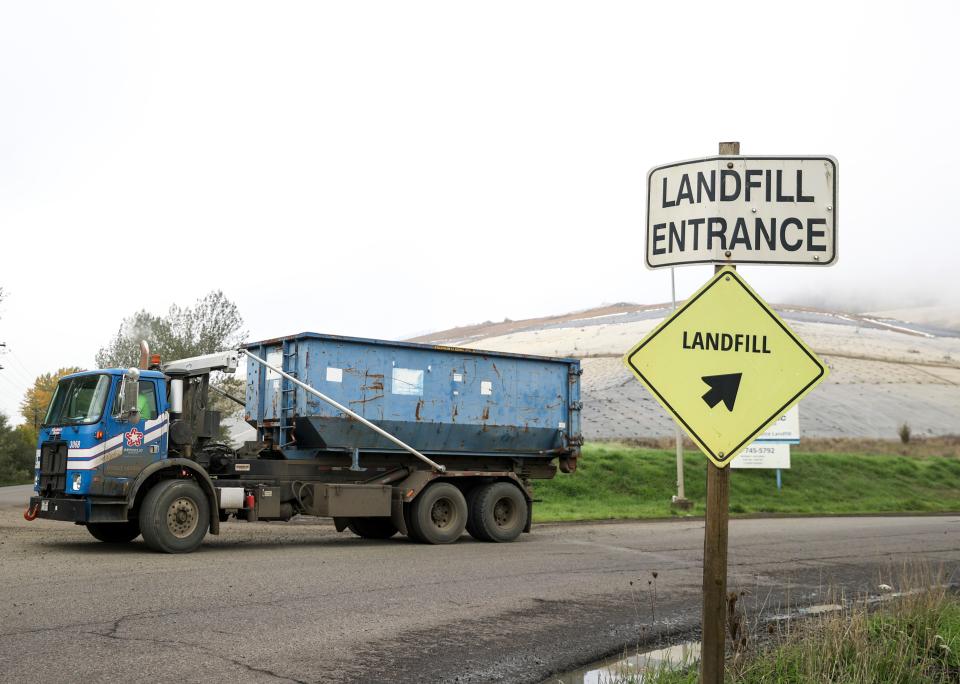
pixel 887 368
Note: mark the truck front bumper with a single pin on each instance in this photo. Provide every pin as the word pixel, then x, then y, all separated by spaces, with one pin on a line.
pixel 78 510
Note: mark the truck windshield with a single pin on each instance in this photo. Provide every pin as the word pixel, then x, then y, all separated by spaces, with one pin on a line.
pixel 78 400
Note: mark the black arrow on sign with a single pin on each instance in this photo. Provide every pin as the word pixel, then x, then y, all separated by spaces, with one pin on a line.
pixel 722 388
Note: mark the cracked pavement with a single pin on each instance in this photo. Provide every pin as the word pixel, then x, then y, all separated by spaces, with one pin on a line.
pixel 298 602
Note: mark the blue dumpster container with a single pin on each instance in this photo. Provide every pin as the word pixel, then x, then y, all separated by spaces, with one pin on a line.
pixel 440 400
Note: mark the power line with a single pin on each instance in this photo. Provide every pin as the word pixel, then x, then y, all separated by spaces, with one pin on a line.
pixel 12 398
pixel 20 363
pixel 18 374
pixel 11 383
pixel 13 355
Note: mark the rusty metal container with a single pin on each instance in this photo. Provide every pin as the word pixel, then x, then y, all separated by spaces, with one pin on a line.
pixel 440 400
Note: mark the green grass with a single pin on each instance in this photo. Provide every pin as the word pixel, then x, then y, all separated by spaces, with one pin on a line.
pixel 913 640
pixel 616 481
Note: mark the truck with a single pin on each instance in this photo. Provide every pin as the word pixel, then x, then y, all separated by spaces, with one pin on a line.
pixel 383 437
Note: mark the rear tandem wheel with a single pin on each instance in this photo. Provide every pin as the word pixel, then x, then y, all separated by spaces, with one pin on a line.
pixel 372 528
pixel 498 512
pixel 438 515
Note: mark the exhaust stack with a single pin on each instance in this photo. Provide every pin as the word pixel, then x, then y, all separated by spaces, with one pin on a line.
pixel 144 355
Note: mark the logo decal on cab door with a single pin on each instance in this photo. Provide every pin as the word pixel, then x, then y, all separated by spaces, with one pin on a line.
pixel 134 438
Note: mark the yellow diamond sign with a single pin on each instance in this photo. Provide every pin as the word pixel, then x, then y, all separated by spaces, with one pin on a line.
pixel 725 366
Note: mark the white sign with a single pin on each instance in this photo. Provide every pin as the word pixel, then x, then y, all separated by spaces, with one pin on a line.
pixel 786 429
pixel 727 210
pixel 763 455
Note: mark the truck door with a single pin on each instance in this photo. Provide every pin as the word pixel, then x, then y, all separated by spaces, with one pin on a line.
pixel 141 442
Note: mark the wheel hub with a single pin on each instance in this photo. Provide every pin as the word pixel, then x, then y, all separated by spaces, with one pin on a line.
pixel 182 518
pixel 503 512
pixel 442 513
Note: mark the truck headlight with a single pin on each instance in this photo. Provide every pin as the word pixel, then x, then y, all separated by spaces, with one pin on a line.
pixel 75 482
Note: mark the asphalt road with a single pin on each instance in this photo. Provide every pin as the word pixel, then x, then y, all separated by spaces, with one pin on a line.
pixel 298 602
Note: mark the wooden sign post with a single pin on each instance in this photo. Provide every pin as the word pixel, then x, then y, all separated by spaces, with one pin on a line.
pixel 724 364
pixel 712 650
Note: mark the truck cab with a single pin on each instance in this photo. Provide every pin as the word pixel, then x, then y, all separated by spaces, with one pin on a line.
pixel 90 444
pixel 108 456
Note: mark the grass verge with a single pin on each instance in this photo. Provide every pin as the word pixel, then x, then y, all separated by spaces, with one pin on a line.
pixel 910 640
pixel 617 481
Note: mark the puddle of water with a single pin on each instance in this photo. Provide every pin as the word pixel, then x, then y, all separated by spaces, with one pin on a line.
pixel 632 668
pixel 821 609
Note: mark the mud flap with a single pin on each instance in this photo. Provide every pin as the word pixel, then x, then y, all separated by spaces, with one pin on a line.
pixel 396 513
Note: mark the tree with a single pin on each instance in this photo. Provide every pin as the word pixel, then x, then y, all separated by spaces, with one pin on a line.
pixel 212 324
pixel 123 351
pixel 37 398
pixel 17 448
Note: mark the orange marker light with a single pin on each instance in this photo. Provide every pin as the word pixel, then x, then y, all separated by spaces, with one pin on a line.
pixel 98 434
pixel 155 360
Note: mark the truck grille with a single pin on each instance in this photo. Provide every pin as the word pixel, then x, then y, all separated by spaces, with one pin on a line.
pixel 53 468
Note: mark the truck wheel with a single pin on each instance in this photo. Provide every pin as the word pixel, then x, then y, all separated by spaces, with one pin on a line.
pixel 115 533
pixel 174 516
pixel 498 512
pixel 372 528
pixel 408 521
pixel 439 514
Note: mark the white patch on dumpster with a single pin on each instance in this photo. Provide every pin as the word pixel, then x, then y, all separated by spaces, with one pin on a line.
pixel 561 425
pixel 275 359
pixel 408 381
pixel 334 374
pixel 457 377
pixel 486 387
pixel 272 383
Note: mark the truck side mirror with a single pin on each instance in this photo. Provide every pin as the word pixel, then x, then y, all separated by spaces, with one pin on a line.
pixel 129 389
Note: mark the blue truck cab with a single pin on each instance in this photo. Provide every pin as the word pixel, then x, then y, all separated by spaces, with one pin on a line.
pixel 89 447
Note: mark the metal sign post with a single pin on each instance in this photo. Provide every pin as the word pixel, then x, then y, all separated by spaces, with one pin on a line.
pixel 680 500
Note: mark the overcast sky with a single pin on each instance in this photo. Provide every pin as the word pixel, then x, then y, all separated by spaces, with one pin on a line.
pixel 384 169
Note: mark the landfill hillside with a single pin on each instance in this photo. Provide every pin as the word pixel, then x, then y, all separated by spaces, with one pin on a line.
pixel 885 371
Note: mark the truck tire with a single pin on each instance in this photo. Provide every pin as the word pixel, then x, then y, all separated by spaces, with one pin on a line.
pixel 174 516
pixel 115 533
pixel 372 528
pixel 439 514
pixel 498 512
pixel 408 522
pixel 472 527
